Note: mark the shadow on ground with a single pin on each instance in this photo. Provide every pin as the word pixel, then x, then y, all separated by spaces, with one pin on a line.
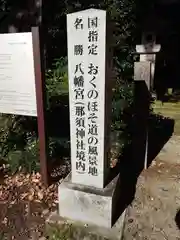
pixel 177 218
pixel 160 131
pixel 131 163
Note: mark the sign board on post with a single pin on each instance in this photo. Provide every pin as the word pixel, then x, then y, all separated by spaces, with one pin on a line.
pixel 86 69
pixel 17 80
pixel 21 84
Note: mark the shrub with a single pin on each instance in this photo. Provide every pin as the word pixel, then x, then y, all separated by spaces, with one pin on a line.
pixel 18 134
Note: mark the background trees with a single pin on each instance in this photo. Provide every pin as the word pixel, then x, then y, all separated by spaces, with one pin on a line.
pixel 18 135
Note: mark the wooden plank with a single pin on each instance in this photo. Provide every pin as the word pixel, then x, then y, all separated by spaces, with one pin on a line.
pixel 40 98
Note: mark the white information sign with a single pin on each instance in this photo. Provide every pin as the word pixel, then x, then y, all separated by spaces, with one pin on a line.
pixel 17 77
pixel 86 69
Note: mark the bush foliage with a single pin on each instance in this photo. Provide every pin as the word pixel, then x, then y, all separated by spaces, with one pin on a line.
pixel 18 134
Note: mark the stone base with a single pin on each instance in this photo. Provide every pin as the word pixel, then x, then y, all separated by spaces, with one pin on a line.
pixel 88 205
pixel 71 230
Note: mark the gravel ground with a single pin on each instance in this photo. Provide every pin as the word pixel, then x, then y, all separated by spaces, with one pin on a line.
pixel 157 200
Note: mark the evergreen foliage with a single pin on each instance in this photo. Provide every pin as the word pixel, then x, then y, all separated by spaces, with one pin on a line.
pixel 18 134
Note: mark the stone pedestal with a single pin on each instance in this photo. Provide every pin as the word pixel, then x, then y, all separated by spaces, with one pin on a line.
pixel 93 209
pixel 89 205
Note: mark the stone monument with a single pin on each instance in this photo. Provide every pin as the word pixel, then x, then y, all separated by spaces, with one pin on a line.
pixel 87 75
pixel 86 195
pixel 145 69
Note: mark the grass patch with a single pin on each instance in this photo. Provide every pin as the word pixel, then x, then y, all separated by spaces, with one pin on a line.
pixel 170 110
pixel 166 104
pixel 55 232
pixel 67 231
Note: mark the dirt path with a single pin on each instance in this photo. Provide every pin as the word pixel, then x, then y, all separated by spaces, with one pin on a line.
pixel 152 213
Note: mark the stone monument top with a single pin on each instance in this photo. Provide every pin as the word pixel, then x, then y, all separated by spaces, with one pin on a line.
pixel 148 44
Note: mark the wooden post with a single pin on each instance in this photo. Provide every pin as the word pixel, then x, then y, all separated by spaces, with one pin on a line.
pixel 40 98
